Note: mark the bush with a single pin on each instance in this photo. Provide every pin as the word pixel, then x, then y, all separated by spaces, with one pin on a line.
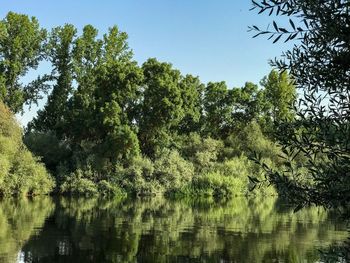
pixel 139 177
pixel 216 184
pixel 172 171
pixel 249 140
pixel 76 184
pixel 107 189
pixel 20 172
pixel 225 179
pixel 203 153
pixel 46 145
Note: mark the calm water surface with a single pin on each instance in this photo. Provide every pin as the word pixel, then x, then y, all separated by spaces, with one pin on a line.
pixel 158 230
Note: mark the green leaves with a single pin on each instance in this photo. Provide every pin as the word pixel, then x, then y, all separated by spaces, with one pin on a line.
pixel 22 36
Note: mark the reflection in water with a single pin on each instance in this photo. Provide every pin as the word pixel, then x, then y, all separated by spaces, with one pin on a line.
pixel 159 230
pixel 19 220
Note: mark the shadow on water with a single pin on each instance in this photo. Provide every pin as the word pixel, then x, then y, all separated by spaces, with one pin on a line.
pixel 161 230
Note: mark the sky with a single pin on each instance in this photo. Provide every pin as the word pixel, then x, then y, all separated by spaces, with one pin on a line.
pixel 206 38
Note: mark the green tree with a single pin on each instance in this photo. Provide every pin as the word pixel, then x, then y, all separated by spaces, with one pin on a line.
pixel 162 105
pixel 87 57
pixel 20 172
pixel 280 94
pixel 21 49
pixel 118 87
pixel 54 115
pixel 192 97
pixel 248 104
pixel 102 108
pixel 217 109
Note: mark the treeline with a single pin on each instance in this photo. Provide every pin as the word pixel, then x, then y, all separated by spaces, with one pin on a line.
pixel 112 126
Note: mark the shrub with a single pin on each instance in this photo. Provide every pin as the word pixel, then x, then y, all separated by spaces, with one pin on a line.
pixel 172 171
pixel 203 153
pixel 108 189
pixel 139 178
pixel 20 172
pixel 76 184
pixel 249 140
pixel 216 184
pixel 48 147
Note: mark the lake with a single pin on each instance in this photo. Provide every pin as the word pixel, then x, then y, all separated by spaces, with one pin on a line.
pixel 45 229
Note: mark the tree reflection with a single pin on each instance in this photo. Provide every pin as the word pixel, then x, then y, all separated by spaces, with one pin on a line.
pixel 19 220
pixel 159 230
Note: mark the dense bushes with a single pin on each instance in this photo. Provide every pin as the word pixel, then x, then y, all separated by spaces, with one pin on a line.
pixel 20 172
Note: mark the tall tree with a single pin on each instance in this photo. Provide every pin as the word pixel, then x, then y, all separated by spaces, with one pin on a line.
pixel 87 58
pixel 108 88
pixel 161 107
pixel 248 104
pixel 280 93
pixel 54 115
pixel 217 109
pixel 21 49
pixel 192 96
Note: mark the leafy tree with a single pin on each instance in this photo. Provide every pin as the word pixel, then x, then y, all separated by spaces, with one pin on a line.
pixel 53 116
pixel 117 92
pixel 319 63
pixel 162 106
pixel 217 109
pixel 86 58
pixel 21 49
pixel 280 93
pixel 192 97
pixel 248 104
pixel 108 87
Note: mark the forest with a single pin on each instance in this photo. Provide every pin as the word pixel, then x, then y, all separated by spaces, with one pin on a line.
pixel 113 127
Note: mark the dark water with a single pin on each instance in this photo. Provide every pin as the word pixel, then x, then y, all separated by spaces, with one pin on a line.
pixel 159 230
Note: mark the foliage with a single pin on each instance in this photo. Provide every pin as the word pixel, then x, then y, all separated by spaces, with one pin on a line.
pixel 21 172
pixel 110 125
pixel 78 183
pixel 53 116
pixel 251 140
pixel 161 106
pixel 319 63
pixel 172 171
pixel 139 177
pixel 202 152
pixel 22 36
pixel 52 150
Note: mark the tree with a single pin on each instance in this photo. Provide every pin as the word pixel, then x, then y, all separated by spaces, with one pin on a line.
pixel 102 107
pixel 21 49
pixel 192 97
pixel 162 105
pixel 217 109
pixel 280 96
pixel 248 104
pixel 54 115
pixel 320 65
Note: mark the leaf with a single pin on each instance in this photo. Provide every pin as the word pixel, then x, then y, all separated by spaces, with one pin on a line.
pixel 283 30
pixel 275 26
pixel 292 23
pixel 277 38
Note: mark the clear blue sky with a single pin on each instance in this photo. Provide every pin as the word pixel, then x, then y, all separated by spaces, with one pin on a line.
pixel 206 38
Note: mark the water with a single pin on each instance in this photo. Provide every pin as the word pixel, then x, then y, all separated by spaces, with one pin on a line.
pixel 158 230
